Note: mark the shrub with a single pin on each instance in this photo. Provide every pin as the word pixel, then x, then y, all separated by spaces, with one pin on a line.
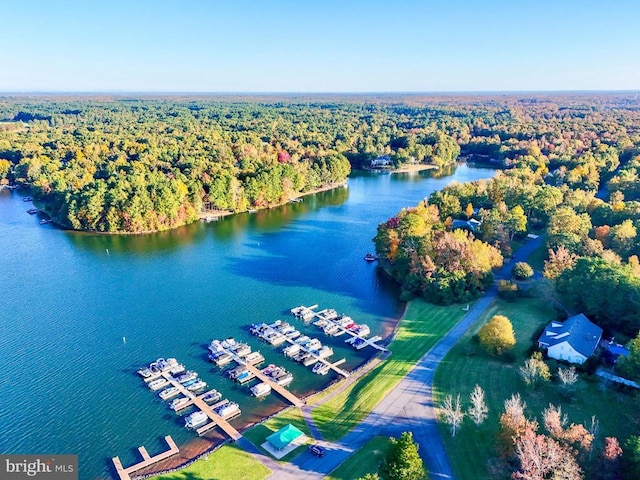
pixel 522 271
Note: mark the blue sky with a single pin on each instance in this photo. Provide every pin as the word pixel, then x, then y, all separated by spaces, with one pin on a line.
pixel 318 45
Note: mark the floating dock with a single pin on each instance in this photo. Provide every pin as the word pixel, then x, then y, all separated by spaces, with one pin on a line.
pixel 147 460
pixel 197 401
pixel 308 313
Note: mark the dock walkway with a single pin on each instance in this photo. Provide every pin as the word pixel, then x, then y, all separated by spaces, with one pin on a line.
pixel 332 366
pixel 216 419
pixel 308 313
pixel 147 460
pixel 283 392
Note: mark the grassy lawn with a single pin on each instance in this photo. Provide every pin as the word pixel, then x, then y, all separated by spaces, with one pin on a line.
pixel 228 463
pixel 466 364
pixel 421 328
pixel 257 434
pixel 366 460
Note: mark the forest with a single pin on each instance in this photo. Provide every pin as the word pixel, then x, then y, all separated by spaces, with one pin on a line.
pixel 124 165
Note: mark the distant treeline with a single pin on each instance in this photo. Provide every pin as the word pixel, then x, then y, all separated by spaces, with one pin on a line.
pixel 114 164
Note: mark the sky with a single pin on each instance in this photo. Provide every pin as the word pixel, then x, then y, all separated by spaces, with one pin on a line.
pixel 318 45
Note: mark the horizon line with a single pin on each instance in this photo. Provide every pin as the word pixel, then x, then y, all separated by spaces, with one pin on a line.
pixel 274 93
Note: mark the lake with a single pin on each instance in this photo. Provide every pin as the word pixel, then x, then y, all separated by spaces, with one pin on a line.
pixel 80 313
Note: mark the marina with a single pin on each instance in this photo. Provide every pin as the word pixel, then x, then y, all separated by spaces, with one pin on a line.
pixel 147 460
pixel 335 325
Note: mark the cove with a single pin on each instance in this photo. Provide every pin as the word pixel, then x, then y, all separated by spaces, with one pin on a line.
pixel 68 382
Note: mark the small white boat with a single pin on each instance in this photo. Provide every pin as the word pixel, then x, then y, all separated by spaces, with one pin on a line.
pixel 199 385
pixel 291 350
pixel 242 349
pixel 331 329
pixel 285 379
pixel 211 396
pixel 325 352
pixel 293 335
pixel 187 376
pixel 177 370
pixel 313 344
pixel 254 358
pixel 169 393
pixel 362 330
pixel 215 346
pixel 261 389
pixel 179 403
pixel 320 323
pixel 156 385
pixel 145 372
pixel 320 368
pixel 195 419
pixel 228 410
pixel 302 340
pixel 228 343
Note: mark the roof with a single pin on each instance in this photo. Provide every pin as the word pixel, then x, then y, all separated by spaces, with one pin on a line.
pixel 284 436
pixel 578 331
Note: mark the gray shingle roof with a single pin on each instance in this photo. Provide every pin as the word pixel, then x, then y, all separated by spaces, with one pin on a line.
pixel 581 334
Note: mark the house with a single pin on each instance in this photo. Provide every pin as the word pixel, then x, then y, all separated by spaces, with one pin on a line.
pixel 383 161
pixel 573 340
pixel 471 225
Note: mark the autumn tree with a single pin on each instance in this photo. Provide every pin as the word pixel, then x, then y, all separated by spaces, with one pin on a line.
pixel 559 260
pixel 610 461
pixel 541 457
pixel 497 335
pixel 522 271
pixel 535 370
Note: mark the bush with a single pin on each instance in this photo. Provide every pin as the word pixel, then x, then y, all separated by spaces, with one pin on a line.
pixel 522 271
pixel 507 290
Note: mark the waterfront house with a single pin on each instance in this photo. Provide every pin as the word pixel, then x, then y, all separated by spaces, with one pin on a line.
pixel 383 161
pixel 573 340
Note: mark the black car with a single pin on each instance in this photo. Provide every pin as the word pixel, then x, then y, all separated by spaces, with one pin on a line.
pixel 317 450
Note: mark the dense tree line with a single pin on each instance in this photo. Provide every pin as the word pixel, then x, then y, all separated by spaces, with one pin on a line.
pixel 125 165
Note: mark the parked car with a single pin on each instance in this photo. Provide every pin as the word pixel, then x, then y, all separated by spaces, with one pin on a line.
pixel 317 450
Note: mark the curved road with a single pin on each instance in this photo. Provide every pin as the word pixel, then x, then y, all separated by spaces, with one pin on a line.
pixel 408 407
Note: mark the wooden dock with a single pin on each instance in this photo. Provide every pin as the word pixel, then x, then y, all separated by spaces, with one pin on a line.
pixel 279 389
pixel 202 405
pixel 147 460
pixel 283 392
pixel 307 311
pixel 332 366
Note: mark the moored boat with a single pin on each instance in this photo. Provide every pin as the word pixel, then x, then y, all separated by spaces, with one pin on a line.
pixel 187 376
pixel 199 385
pixel 291 350
pixel 325 352
pixel 179 403
pixel 169 393
pixel 228 410
pixel 261 389
pixel 212 396
pixel 285 379
pixel 32 211
pixel 195 419
pixel 370 257
pixel 254 358
pixel 157 384
pixel 320 368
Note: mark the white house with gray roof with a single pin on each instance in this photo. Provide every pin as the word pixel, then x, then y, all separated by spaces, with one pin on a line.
pixel 573 340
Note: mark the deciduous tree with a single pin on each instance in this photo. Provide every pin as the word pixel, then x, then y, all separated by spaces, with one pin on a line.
pixel 497 335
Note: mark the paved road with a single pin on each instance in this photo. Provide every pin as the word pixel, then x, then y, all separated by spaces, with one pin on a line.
pixel 408 407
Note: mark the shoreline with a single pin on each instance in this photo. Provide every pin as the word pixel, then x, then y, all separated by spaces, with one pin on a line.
pixel 202 216
pixel 170 465
pixel 404 168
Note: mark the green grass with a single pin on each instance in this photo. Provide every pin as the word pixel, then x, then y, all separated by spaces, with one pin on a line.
pixel 423 325
pixel 227 463
pixel 366 460
pixel 259 433
pixel 472 450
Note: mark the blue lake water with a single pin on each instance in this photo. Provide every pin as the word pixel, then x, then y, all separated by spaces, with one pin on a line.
pixel 69 300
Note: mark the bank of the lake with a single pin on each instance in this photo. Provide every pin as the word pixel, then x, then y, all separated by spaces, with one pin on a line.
pixel 81 312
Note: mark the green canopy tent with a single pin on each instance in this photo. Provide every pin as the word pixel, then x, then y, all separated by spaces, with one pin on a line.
pixel 284 436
